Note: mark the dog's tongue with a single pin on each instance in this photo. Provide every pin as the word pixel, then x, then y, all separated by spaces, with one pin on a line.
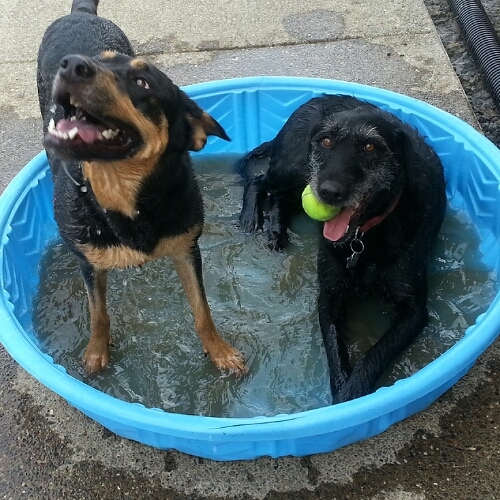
pixel 88 132
pixel 335 228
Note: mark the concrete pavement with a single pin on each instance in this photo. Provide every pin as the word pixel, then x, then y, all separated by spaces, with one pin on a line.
pixel 50 450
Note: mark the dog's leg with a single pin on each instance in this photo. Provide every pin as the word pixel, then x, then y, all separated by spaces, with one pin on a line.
pixel 189 269
pixel 251 216
pixel 410 318
pixel 282 206
pixel 330 310
pixel 97 354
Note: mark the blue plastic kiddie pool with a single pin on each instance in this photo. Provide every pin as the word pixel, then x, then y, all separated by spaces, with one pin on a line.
pixel 252 110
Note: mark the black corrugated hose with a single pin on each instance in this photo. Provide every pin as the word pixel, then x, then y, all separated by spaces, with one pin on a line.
pixel 482 40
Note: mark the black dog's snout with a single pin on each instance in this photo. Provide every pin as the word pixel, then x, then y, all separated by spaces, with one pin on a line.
pixel 332 192
pixel 76 68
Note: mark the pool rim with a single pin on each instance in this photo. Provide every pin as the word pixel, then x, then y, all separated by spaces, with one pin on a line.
pixel 428 383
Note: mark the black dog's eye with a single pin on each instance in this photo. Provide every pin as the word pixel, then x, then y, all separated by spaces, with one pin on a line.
pixel 369 147
pixel 142 83
pixel 326 141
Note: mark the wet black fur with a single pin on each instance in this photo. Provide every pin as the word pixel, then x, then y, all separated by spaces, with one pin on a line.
pixel 393 265
pixel 169 202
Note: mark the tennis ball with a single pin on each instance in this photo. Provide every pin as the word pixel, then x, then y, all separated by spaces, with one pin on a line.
pixel 315 208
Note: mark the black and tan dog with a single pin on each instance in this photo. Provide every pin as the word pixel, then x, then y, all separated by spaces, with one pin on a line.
pixel 118 134
pixel 390 186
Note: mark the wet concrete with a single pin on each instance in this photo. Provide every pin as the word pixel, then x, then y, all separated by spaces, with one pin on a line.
pixel 451 450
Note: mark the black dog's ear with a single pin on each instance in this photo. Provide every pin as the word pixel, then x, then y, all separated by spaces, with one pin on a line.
pixel 202 124
pixel 400 144
pixel 405 153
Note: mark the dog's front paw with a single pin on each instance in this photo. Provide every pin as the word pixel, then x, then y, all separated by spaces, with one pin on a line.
pixel 251 216
pixel 229 359
pixel 277 242
pixel 250 221
pixel 347 393
pixel 355 387
pixel 97 356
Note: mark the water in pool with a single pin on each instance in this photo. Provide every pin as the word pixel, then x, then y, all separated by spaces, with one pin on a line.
pixel 263 303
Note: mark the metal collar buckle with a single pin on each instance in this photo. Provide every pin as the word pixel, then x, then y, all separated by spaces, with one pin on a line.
pixel 357 248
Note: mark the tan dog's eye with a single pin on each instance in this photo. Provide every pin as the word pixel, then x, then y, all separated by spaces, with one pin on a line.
pixel 369 147
pixel 142 83
pixel 326 141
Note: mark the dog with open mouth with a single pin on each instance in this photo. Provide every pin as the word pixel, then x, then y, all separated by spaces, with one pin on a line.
pixel 118 133
pixel 388 187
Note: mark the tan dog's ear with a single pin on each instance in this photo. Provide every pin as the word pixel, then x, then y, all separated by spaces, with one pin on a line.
pixel 204 125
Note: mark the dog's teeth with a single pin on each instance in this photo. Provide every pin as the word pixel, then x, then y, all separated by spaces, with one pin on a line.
pixel 73 118
pixel 61 135
pixel 73 133
pixel 74 102
pixel 109 134
pixel 346 229
pixel 53 108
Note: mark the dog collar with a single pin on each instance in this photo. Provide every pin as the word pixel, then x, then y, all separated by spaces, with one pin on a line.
pixel 379 218
pixel 357 246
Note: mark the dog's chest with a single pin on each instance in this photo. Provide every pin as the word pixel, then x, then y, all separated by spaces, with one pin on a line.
pixel 368 278
pixel 114 188
pixel 366 272
pixel 122 256
pixel 111 239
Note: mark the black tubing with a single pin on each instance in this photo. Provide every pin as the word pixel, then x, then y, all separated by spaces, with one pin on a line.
pixel 482 40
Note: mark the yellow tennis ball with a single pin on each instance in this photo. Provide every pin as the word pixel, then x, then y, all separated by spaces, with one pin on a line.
pixel 315 208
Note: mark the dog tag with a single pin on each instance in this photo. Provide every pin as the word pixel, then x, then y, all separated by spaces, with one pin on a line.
pixel 357 247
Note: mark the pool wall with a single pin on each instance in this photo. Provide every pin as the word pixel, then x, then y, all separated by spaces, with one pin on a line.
pixel 252 110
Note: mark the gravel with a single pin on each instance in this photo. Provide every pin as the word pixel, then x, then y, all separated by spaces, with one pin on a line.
pixel 487 114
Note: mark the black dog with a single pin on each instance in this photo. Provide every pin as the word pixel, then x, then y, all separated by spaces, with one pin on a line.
pixel 391 188
pixel 117 132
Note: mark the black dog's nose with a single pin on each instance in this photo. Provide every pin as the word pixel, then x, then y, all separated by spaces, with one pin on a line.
pixel 332 192
pixel 76 68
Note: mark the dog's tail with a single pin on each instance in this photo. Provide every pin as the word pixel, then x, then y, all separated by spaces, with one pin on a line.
pixel 88 6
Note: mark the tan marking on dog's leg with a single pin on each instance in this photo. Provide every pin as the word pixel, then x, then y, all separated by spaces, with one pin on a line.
pixel 97 354
pixel 220 352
